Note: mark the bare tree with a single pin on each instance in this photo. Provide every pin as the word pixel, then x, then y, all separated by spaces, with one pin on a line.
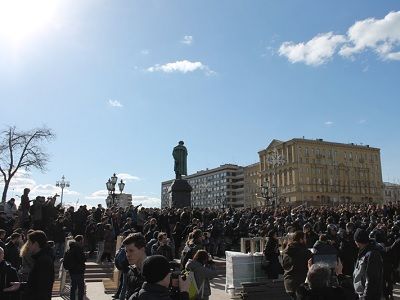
pixel 22 150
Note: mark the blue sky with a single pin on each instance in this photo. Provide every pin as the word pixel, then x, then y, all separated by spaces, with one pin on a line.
pixel 121 82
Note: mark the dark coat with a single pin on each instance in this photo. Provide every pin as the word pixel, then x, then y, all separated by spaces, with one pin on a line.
pixel 368 273
pixel 7 275
pixel 152 291
pixel 311 237
pixel 109 245
pixel 41 278
pixel 295 265
pixel 77 258
pixel 271 253
pixel 12 255
pixel 163 250
pixel 134 281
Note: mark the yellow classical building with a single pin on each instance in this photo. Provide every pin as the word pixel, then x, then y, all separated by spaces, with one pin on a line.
pixel 320 172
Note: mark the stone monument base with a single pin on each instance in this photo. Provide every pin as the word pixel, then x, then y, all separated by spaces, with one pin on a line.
pixel 180 194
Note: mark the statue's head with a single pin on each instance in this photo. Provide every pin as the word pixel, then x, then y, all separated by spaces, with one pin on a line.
pixel 181 142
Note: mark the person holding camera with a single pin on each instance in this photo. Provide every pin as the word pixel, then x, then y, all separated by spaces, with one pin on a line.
pixel 157 274
pixel 204 270
pixel 318 284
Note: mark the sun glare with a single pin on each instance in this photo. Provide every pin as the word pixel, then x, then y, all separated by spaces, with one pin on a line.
pixel 20 19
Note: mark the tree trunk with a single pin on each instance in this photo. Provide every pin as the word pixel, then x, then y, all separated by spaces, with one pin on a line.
pixel 5 189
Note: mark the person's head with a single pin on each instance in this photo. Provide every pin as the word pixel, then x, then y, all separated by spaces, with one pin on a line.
pixel 37 240
pixel 197 236
pixel 318 276
pixel 26 191
pixel 272 234
pixel 128 220
pixel 361 238
pixel 323 238
pixel 135 246
pixel 1 255
pixel 162 238
pixel 201 256
pixel 156 270
pixel 307 227
pixel 11 201
pixel 298 237
pixel 79 239
pixel 350 227
pixel 16 238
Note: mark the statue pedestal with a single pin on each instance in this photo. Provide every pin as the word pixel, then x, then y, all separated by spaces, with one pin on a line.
pixel 180 193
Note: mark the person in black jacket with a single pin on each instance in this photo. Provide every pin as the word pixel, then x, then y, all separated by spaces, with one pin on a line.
pixel 156 271
pixel 135 245
pixel 41 278
pixel 295 261
pixel 7 275
pixel 12 250
pixel 368 271
pixel 271 252
pixel 76 266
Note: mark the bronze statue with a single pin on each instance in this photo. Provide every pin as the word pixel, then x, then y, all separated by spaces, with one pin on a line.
pixel 180 156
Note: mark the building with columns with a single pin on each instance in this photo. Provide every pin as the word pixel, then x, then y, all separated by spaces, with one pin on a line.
pixel 320 172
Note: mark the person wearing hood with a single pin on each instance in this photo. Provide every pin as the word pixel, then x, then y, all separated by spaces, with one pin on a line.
pixel 41 278
pixel 295 263
pixel 204 270
pixel 368 271
pixel 324 247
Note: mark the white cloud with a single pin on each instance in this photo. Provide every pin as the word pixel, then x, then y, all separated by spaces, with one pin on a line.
pixel 22 179
pixel 379 35
pixel 328 123
pixel 127 177
pixel 181 66
pixel 187 40
pixel 146 201
pixel 114 103
pixel 315 52
pixel 101 194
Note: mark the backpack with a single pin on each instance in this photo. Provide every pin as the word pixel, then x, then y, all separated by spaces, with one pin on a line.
pixel 195 292
pixel 67 261
pixel 120 259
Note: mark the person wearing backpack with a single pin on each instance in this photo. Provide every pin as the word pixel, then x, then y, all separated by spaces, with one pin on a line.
pixel 74 261
pixel 204 270
pixel 122 264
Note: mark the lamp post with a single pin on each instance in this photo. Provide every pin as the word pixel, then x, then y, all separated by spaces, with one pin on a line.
pixel 111 183
pixel 62 184
pixel 269 193
pixel 275 160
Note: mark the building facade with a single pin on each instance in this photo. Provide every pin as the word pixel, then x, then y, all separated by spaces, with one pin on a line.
pixel 320 172
pixel 391 192
pixel 220 187
pixel 252 184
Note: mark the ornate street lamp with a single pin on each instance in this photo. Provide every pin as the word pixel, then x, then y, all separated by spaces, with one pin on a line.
pixel 121 186
pixel 275 160
pixel 62 184
pixel 110 184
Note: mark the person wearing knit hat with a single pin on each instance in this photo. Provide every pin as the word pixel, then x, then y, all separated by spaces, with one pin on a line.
pixel 157 273
pixel 368 270
pixel 155 268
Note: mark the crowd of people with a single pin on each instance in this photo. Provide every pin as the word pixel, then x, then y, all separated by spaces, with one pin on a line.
pixel 363 237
